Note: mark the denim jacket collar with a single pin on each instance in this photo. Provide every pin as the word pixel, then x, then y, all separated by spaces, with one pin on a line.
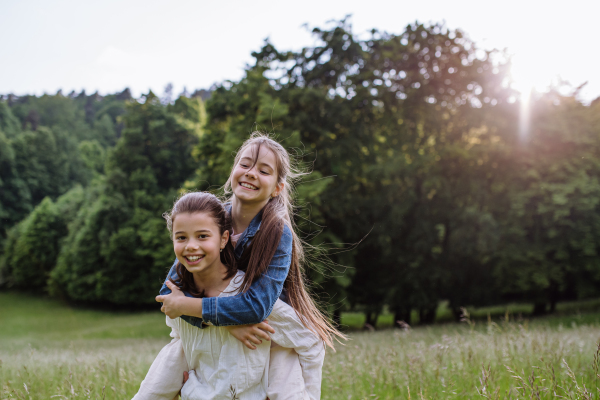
pixel 248 233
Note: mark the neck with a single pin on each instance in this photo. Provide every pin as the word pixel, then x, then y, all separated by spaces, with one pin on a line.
pixel 212 281
pixel 243 213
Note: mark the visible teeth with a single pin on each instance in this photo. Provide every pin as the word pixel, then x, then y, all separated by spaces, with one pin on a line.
pixel 193 258
pixel 246 185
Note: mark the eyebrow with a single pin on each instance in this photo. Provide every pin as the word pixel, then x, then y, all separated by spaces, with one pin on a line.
pixel 261 163
pixel 201 230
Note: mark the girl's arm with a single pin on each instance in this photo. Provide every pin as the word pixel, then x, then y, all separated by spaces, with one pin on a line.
pixel 250 307
pixel 164 379
pixel 290 332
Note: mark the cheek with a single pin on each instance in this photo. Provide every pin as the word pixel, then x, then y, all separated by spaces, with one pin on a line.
pixel 237 172
pixel 272 184
pixel 178 247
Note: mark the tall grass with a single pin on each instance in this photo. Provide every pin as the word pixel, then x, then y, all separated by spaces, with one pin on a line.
pixel 65 353
pixel 514 360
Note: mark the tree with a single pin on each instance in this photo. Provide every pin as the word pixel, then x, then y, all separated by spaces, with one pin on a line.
pixel 41 152
pixel 34 245
pixel 15 196
pixel 550 232
pixel 9 124
pixel 389 117
pixel 117 249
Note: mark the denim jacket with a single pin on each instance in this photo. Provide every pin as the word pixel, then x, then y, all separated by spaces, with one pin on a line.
pixel 256 304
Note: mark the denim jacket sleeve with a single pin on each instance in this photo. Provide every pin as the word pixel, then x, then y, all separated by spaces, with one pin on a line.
pixel 256 304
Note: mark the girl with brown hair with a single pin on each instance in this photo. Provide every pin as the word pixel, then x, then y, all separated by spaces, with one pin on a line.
pixel 220 367
pixel 260 189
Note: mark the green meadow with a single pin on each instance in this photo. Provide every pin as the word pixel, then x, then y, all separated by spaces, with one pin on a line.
pixel 49 350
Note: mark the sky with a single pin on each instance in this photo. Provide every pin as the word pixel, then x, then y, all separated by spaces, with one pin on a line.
pixel 108 45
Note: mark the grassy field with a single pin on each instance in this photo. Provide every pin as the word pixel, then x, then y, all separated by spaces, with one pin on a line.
pixel 51 351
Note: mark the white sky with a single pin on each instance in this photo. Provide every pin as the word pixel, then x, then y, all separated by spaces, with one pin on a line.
pixel 109 45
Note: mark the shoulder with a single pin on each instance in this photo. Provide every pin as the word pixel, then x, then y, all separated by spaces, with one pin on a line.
pixel 239 276
pixel 234 284
pixel 284 314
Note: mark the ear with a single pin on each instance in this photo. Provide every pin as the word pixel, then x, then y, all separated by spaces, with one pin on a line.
pixel 278 189
pixel 224 239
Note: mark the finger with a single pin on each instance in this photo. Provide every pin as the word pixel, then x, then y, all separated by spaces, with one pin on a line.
pixel 159 299
pixel 172 286
pixel 254 339
pixel 163 309
pixel 265 327
pixel 262 334
pixel 249 345
pixel 186 376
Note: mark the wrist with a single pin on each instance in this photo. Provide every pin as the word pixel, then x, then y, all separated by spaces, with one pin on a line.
pixel 191 306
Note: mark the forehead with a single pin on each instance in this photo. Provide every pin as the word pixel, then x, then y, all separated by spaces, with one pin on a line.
pixel 265 155
pixel 194 221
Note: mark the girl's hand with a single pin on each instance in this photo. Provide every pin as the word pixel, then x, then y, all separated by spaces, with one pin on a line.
pixel 172 301
pixel 249 334
pixel 186 376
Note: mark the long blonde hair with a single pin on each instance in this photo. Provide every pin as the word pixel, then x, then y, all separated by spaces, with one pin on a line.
pixel 278 212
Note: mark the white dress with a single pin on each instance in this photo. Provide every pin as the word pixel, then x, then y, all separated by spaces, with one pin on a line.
pixel 223 368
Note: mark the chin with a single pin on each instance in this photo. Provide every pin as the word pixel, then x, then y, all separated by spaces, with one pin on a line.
pixel 245 195
pixel 195 268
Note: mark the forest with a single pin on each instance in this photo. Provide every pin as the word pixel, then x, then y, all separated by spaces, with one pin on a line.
pixel 432 179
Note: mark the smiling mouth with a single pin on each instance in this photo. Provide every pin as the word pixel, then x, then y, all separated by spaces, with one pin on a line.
pixel 193 259
pixel 248 186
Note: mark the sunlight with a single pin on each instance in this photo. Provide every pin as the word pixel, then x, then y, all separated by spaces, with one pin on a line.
pixel 524 114
pixel 528 73
pixel 524 81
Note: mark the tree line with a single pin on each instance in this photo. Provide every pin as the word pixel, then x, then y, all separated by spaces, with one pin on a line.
pixel 432 179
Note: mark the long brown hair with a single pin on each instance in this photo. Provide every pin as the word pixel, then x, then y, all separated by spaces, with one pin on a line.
pixel 276 214
pixel 202 202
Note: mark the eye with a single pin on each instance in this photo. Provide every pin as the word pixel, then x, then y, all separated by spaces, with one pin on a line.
pixel 180 237
pixel 243 165
pixel 202 236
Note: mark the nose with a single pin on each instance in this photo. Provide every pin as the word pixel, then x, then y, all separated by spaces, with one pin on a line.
pixel 251 172
pixel 191 245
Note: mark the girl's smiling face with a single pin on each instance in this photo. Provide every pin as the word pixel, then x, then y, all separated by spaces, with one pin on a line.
pixel 197 242
pixel 254 179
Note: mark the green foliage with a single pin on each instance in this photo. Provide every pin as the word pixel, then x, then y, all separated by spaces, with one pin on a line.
pixel 33 245
pixel 48 144
pixel 34 254
pixel 15 196
pixel 389 119
pixel 40 164
pixel 419 132
pixel 105 131
pixel 93 155
pixel 117 249
pixel 13 234
pixel 8 122
pixel 424 185
pixel 552 228
pixel 156 143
